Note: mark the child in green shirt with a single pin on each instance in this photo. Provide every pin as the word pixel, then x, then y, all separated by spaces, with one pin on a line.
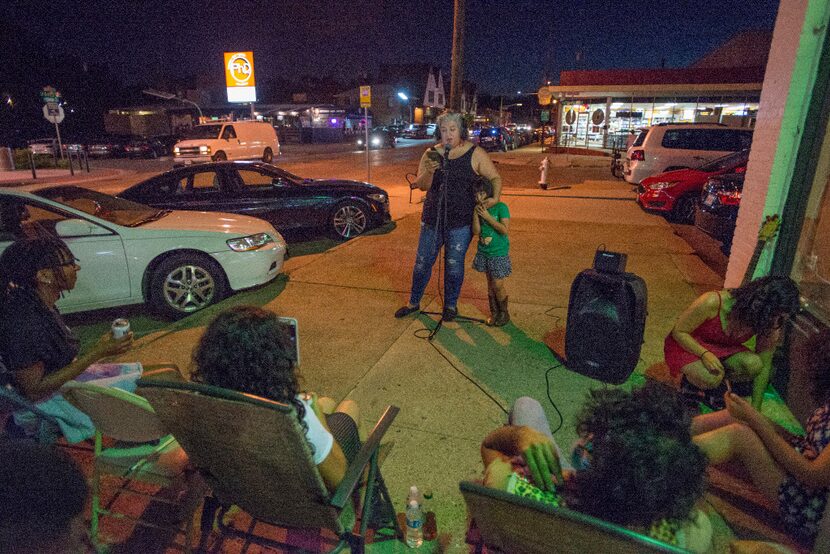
pixel 492 257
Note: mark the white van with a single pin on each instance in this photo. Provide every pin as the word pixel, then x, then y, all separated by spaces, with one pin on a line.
pixel 670 146
pixel 232 140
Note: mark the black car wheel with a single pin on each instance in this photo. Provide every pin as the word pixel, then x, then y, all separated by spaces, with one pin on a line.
pixel 185 283
pixel 684 210
pixel 348 220
pixel 220 157
pixel 268 156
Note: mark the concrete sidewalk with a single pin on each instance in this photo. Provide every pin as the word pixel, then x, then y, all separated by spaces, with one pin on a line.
pixel 454 390
pixel 22 177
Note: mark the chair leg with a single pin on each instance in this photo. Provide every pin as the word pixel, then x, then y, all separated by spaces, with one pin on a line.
pixel 96 491
pixel 209 510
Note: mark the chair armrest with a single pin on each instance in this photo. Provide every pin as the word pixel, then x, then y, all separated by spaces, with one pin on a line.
pixel 356 467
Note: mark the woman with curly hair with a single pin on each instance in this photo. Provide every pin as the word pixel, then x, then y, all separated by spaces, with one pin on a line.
pixel 709 342
pixel 792 471
pixel 634 463
pixel 248 350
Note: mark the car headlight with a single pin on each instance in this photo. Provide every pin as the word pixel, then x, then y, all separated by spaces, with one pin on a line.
pixel 251 242
pixel 176 150
pixel 662 185
pixel 376 141
pixel 204 150
pixel 360 142
pixel 379 197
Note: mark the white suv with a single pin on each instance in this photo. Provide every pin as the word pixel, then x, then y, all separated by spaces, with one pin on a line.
pixel 671 146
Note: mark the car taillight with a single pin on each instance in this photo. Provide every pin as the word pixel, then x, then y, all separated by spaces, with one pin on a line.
pixel 638 155
pixel 730 198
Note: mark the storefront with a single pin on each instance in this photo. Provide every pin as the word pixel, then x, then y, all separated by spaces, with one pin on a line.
pixel 600 108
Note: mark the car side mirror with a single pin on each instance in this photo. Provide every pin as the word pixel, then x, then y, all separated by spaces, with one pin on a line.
pixel 78 228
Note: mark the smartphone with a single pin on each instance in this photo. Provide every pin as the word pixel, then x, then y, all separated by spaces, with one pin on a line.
pixel 290 325
pixel 435 155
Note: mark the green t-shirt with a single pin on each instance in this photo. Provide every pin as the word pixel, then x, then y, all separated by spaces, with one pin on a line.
pixel 490 242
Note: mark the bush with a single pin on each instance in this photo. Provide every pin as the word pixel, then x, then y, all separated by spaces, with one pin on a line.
pixel 21 160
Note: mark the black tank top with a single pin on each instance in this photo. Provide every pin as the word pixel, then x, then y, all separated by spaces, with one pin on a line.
pixel 461 201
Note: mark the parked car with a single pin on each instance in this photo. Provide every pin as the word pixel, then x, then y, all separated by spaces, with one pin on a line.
pixel 676 193
pixel 179 262
pixel 379 137
pixel 495 138
pixel 345 208
pixel 150 147
pixel 415 131
pixel 232 140
pixel 113 146
pixel 670 146
pixel 44 146
pixel 718 209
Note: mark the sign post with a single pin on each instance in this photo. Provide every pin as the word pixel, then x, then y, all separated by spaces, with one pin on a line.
pixel 52 111
pixel 365 103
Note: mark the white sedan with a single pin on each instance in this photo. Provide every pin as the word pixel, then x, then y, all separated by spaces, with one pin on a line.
pixel 129 253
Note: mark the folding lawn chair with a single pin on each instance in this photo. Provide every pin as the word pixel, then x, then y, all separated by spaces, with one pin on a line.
pixel 510 523
pixel 143 451
pixel 11 401
pixel 253 453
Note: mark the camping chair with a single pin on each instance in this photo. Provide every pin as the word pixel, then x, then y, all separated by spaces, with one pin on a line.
pixel 253 453
pixel 11 401
pixel 514 524
pixel 143 450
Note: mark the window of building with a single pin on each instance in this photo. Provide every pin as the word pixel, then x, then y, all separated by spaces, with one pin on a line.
pixel 811 266
pixel 431 97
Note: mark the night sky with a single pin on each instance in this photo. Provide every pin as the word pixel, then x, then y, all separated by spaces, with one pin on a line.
pixel 509 45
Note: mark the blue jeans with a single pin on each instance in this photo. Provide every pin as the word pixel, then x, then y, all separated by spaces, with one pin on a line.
pixel 429 243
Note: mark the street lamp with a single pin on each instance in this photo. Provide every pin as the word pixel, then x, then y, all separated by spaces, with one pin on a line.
pixel 405 98
pixel 171 96
pixel 501 110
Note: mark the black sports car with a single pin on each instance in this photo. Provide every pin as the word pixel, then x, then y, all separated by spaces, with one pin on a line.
pixel 345 208
pixel 379 137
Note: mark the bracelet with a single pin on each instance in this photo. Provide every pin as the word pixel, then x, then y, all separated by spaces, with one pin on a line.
pixel 702 353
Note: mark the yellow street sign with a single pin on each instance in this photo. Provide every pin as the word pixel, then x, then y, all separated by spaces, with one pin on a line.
pixel 365 96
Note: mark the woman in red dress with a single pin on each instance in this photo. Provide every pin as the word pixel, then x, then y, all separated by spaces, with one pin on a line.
pixel 713 338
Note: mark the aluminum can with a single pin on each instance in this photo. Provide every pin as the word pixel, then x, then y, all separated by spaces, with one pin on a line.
pixel 120 327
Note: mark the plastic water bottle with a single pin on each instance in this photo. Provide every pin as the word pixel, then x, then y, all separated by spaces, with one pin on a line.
pixel 414 525
pixel 415 495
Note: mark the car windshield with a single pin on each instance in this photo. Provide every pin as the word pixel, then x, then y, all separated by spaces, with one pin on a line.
pixel 730 161
pixel 115 210
pixel 203 132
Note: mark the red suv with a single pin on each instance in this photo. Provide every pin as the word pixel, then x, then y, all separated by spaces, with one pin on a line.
pixel 676 193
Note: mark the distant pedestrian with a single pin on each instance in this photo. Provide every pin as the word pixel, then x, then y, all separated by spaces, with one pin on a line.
pixel 493 258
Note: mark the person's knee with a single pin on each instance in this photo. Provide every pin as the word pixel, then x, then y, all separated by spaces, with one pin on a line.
pixel 350 408
pixel 752 364
pixel 525 406
pixel 742 437
pixel 703 379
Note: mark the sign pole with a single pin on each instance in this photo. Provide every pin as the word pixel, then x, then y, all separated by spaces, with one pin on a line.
pixel 58 132
pixel 366 129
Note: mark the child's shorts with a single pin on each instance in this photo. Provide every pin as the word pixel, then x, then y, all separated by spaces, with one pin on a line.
pixel 497 267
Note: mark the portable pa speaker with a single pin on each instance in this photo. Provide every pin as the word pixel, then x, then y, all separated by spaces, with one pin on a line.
pixel 606 320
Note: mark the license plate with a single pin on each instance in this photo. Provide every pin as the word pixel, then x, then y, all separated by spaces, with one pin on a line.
pixel 710 199
pixel 188 162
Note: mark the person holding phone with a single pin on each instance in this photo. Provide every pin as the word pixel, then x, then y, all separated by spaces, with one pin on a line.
pixel 248 349
pixel 447 214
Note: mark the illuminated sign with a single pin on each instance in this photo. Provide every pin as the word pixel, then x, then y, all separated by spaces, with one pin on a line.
pixel 239 76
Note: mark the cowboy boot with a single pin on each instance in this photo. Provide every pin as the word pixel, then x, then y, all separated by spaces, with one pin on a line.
pixel 494 307
pixel 503 316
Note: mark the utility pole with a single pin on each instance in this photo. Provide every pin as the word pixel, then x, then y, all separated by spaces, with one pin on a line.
pixel 457 55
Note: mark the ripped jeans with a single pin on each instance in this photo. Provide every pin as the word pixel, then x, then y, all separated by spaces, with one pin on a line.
pixel 429 243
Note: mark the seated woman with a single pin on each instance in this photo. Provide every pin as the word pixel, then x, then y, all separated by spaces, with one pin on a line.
pixel 708 343
pixel 37 348
pixel 247 349
pixel 635 463
pixel 792 471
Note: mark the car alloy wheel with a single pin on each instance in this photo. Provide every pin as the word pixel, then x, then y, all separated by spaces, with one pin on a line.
pixel 684 210
pixel 183 284
pixel 348 221
pixel 220 157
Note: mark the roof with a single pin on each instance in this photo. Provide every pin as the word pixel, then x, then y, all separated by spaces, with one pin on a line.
pixel 682 76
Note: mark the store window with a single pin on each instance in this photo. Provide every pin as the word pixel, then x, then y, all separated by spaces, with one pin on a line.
pixel 811 267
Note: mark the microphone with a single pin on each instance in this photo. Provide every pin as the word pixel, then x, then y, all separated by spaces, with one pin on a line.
pixel 446 160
